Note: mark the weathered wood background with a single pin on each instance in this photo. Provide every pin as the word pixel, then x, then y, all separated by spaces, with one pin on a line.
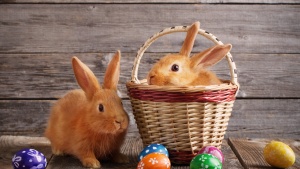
pixel 38 39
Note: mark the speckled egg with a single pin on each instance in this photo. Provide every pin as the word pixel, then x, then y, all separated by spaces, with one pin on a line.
pixel 205 161
pixel 213 151
pixel 29 159
pixel 278 154
pixel 154 161
pixel 153 148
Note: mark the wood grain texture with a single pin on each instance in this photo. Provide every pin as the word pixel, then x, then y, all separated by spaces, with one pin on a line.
pixel 250 118
pixel 9 145
pixel 264 118
pixel 11 141
pixel 40 28
pixel 250 152
pixel 20 117
pixel 44 76
pixel 231 161
pixel 155 1
pixel 29 117
pixel 131 147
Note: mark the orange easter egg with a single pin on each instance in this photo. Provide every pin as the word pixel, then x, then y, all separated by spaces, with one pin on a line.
pixel 154 161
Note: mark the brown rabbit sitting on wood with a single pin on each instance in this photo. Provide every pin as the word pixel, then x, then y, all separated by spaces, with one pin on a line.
pixel 90 123
pixel 183 70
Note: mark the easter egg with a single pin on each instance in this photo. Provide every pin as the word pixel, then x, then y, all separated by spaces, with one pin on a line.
pixel 153 148
pixel 206 161
pixel 278 154
pixel 154 161
pixel 213 151
pixel 29 159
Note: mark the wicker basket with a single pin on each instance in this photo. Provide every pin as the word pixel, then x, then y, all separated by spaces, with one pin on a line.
pixel 184 119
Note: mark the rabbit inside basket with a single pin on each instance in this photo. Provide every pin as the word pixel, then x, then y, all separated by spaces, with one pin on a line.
pixel 179 69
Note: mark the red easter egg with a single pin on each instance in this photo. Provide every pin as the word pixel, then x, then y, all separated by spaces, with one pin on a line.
pixel 154 161
pixel 213 151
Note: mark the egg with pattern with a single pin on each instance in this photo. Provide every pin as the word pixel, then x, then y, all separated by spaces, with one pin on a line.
pixel 29 159
pixel 153 148
pixel 205 161
pixel 154 161
pixel 213 151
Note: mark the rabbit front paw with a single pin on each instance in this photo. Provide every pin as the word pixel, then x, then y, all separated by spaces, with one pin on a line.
pixel 91 163
pixel 56 151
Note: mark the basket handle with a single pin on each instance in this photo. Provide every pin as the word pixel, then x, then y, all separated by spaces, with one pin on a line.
pixel 134 78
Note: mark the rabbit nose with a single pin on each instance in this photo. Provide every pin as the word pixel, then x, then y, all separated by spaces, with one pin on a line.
pixel 119 120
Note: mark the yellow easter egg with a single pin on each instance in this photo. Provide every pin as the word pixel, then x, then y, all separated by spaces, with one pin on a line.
pixel 278 154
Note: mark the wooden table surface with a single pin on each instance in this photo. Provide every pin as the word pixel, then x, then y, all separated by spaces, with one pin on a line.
pixel 39 37
pixel 238 152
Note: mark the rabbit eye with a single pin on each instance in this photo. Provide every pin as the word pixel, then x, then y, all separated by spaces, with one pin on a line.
pixel 175 68
pixel 101 108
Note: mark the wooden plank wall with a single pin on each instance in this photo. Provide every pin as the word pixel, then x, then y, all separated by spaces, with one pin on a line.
pixel 38 39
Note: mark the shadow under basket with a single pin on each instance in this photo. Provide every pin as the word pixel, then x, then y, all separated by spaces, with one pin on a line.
pixel 182 118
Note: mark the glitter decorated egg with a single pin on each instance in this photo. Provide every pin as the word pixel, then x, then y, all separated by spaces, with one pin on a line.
pixel 279 154
pixel 154 161
pixel 206 161
pixel 213 151
pixel 29 159
pixel 153 148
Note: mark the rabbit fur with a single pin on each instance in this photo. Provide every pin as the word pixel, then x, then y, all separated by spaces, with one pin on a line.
pixel 90 123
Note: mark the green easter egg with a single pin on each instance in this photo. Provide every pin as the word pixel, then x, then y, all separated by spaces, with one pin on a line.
pixel 205 161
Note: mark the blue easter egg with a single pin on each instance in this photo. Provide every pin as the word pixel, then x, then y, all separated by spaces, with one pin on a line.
pixel 29 159
pixel 153 148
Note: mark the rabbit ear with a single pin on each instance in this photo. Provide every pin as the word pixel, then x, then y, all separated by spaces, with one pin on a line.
pixel 112 73
pixel 188 43
pixel 210 56
pixel 85 78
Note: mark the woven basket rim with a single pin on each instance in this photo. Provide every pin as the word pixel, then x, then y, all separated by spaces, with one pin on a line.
pixel 145 86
